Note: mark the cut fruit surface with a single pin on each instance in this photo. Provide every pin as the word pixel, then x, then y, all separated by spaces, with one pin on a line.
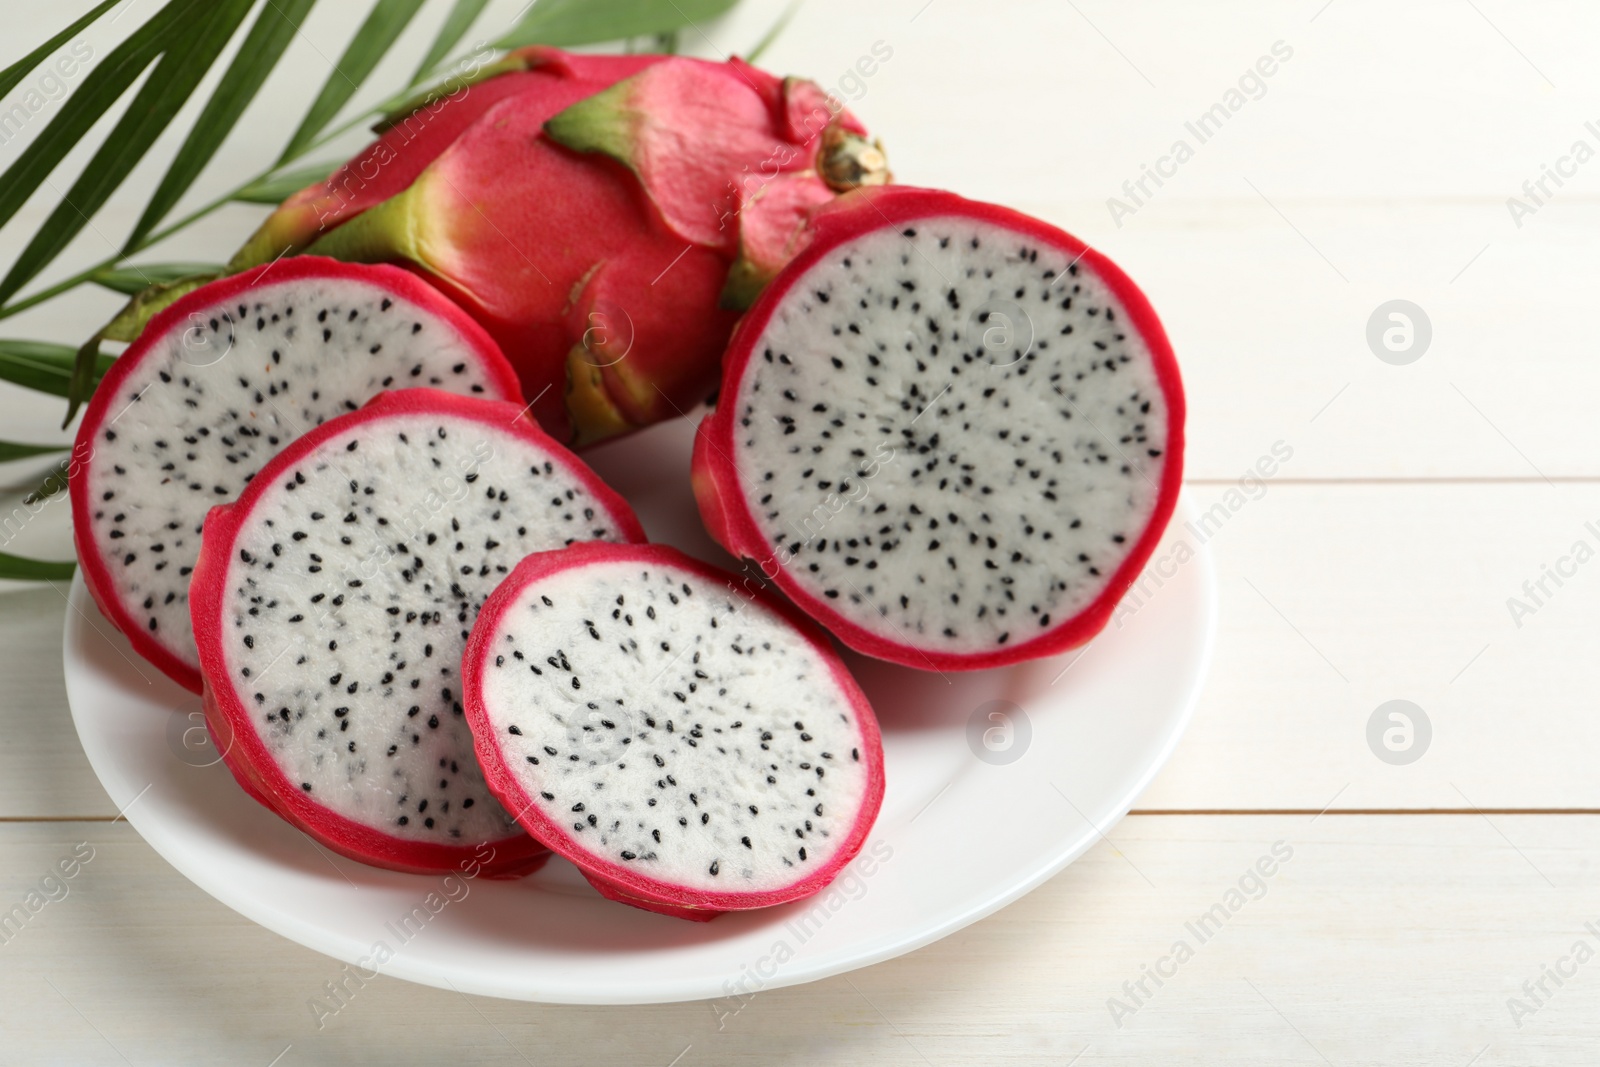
pixel 951 433
pixel 332 603
pixel 215 386
pixel 692 745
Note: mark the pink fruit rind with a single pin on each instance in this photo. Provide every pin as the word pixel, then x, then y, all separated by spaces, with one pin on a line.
pixel 612 892
pixel 613 880
pixel 731 521
pixel 227 715
pixel 411 141
pixel 106 405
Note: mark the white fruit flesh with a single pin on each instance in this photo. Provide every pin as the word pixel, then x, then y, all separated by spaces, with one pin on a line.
pixel 225 393
pixel 668 725
pixel 951 434
pixel 353 584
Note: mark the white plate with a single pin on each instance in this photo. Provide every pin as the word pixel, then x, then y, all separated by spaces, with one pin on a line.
pixel 959 836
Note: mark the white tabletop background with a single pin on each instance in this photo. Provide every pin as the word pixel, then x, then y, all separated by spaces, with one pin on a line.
pixel 1374 164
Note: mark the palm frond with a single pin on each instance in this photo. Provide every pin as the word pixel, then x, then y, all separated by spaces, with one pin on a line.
pixel 43 367
pixel 10 451
pixel 774 31
pixel 263 46
pixel 387 20
pixel 12 76
pixel 574 22
pixel 456 25
pixel 135 279
pixel 191 47
pixel 34 570
pixel 101 88
pixel 273 189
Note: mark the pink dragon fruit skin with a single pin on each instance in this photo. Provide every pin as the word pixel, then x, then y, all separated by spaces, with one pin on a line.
pixel 604 218
pixel 409 143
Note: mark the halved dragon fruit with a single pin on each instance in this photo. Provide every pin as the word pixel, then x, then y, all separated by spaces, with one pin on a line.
pixel 950 432
pixel 219 383
pixel 692 746
pixel 332 602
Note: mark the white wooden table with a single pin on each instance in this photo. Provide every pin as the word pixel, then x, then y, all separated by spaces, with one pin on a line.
pixel 1373 164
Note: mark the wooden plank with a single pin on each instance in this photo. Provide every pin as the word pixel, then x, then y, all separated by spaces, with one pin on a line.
pixel 43 771
pixel 1337 599
pixel 1273 342
pixel 1071 100
pixel 1393 940
pixel 1334 600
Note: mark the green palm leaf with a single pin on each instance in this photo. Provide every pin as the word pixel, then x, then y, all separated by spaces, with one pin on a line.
pixel 43 367
pixel 274 189
pixel 12 76
pixel 191 48
pixel 15 450
pixel 573 22
pixel 53 482
pixel 263 46
pixel 100 89
pixel 135 279
pixel 774 31
pixel 383 26
pixel 34 570
pixel 456 25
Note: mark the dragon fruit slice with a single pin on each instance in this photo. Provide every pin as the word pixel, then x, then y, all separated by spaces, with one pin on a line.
pixel 216 385
pixel 694 748
pixel 332 602
pixel 951 433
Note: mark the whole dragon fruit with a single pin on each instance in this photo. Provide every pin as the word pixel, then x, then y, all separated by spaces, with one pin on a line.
pixel 605 218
